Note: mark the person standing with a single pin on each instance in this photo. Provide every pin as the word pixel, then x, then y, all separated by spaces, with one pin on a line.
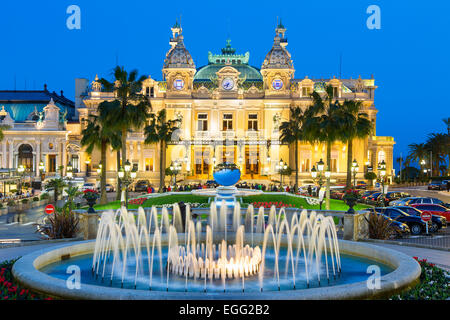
pixel 448 186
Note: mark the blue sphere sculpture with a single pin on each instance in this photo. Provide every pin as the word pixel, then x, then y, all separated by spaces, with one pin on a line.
pixel 227 177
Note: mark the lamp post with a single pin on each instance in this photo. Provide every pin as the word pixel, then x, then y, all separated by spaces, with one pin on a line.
pixel 354 169
pixel 126 176
pixel 88 161
pixel 41 170
pixel 69 172
pixel 3 113
pixel 281 167
pixel 319 176
pixel 382 174
pixel 21 171
pixel 175 169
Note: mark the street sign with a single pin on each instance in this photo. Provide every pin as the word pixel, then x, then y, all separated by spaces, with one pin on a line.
pixel 49 209
pixel 426 216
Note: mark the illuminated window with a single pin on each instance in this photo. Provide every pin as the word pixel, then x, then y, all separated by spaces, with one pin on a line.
pixel 381 156
pixel 227 121
pixel 306 91
pixel 149 167
pixel 253 121
pixel 202 122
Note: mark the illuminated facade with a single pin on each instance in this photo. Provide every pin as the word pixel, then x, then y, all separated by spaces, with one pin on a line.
pixel 230 111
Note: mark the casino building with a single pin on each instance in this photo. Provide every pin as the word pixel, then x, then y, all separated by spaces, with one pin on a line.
pixel 229 109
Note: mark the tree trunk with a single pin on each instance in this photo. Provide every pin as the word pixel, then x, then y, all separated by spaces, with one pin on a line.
pixel 327 200
pixel 162 169
pixel 348 184
pixel 103 197
pixel 296 167
pixel 124 146
pixel 119 184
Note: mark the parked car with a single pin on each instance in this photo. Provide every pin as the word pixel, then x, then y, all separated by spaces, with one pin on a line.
pixel 141 186
pixel 109 187
pixel 366 194
pixel 433 209
pixel 361 185
pixel 88 186
pixel 426 200
pixel 415 224
pixel 438 222
pixel 394 195
pixel 373 198
pixel 436 185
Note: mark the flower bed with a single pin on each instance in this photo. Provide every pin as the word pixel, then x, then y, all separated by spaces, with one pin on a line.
pixel 434 284
pixel 277 204
pixel 10 290
pixel 138 201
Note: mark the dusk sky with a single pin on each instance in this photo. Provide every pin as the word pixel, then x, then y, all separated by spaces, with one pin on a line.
pixel 408 56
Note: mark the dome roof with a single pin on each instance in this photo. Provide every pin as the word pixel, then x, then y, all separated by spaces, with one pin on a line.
pixel 209 71
pixel 278 57
pixel 178 56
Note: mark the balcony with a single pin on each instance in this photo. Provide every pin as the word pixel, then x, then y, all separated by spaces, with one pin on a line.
pixel 202 135
pixel 252 134
pixel 228 135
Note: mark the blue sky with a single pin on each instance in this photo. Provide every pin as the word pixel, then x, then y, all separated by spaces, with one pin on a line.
pixel 409 56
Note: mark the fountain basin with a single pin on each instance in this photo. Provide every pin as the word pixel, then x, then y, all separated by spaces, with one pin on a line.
pixel 404 272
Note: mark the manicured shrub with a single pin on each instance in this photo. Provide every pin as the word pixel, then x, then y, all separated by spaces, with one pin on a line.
pixel 45 196
pixel 11 203
pixel 11 290
pixel 434 284
pixel 35 199
pixel 24 201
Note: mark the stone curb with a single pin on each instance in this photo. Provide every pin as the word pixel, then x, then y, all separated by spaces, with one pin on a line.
pixel 406 244
pixel 406 272
pixel 37 242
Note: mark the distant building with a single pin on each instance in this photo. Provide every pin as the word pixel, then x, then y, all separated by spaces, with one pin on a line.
pixel 230 111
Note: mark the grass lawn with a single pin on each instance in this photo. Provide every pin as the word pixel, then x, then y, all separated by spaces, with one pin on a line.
pixel 190 198
pixel 299 202
pixel 168 199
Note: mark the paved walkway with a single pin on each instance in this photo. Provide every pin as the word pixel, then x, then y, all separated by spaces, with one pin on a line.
pixel 438 257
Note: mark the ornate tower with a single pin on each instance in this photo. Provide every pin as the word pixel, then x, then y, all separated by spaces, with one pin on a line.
pixel 278 69
pixel 179 68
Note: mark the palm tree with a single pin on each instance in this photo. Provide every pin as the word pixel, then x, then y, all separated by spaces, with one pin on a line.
pixel 57 185
pixel 98 134
pixel 447 122
pixel 130 109
pixel 437 144
pixel 161 131
pixel 417 152
pixel 356 126
pixel 323 123
pixel 292 132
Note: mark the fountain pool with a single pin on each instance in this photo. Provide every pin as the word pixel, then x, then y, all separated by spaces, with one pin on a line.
pixel 234 254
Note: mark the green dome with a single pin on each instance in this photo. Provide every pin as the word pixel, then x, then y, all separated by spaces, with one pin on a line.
pixel 209 71
pixel 231 59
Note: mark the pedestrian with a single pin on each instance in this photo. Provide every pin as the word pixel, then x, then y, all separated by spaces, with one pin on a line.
pixel 448 186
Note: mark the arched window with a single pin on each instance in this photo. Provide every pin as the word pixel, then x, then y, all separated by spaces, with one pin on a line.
pixel 381 156
pixel 26 156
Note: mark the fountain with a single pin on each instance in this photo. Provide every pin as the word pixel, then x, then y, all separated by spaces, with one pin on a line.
pixel 228 254
pixel 212 251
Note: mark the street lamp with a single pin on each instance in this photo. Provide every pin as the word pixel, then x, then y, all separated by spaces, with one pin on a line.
pixel 20 170
pixel 281 167
pixel 41 170
pixel 175 169
pixel 126 176
pixel 69 170
pixel 3 113
pixel 382 173
pixel 319 175
pixel 87 162
pixel 354 170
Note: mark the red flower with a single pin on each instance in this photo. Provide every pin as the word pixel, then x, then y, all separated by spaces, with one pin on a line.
pixel 5 298
pixel 415 258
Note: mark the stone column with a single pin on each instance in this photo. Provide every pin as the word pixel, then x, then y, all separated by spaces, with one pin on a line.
pixel 64 156
pixel 4 154
pixel 38 157
pixel 11 153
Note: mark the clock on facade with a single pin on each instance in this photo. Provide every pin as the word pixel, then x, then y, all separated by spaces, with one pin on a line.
pixel 277 84
pixel 178 84
pixel 228 83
